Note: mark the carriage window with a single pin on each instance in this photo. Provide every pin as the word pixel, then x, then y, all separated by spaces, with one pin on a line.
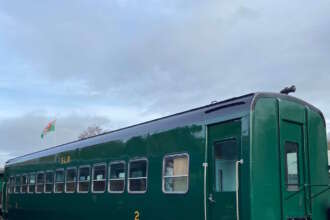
pixel 17 184
pixel 24 182
pixel 49 182
pixel 292 173
pixel 117 177
pixel 225 157
pixel 11 184
pixel 84 178
pixel 59 181
pixel 99 178
pixel 71 180
pixel 32 183
pixel 175 173
pixel 137 176
pixel 40 182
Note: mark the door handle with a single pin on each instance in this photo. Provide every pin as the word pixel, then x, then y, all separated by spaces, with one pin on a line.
pixel 211 198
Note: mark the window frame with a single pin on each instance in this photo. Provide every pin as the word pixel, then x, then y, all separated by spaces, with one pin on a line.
pixel 105 177
pixel 146 177
pixel 27 183
pixel 19 177
pixel 78 179
pixel 163 173
pixel 66 181
pixel 53 183
pixel 35 182
pixel 12 184
pixel 8 186
pixel 54 189
pixel 36 189
pixel 109 177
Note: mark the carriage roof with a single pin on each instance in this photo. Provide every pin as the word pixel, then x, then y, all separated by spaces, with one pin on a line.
pixel 243 104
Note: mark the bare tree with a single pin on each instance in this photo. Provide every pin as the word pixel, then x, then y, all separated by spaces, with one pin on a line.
pixel 90 132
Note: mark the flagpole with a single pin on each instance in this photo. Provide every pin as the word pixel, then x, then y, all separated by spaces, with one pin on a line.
pixel 55 132
pixel 55 137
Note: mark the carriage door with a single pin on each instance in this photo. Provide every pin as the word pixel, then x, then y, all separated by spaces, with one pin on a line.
pixel 223 154
pixel 294 203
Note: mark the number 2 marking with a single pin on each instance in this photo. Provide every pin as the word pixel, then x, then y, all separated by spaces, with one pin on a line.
pixel 137 215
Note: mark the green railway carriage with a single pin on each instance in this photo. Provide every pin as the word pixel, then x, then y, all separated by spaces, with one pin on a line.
pixel 256 157
pixel 1 188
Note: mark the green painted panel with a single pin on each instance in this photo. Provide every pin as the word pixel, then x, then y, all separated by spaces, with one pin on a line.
pixel 292 111
pixel 318 165
pixel 265 176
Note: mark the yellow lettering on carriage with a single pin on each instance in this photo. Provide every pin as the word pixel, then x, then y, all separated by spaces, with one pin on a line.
pixel 65 159
pixel 137 215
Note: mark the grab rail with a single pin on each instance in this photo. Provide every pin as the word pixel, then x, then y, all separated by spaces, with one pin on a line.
pixel 237 187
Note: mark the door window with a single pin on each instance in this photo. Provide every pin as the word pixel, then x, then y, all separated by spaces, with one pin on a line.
pixel 225 157
pixel 291 162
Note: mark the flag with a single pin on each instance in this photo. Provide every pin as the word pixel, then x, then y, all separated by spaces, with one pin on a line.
pixel 50 127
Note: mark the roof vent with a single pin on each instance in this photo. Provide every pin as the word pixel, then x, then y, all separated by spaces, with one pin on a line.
pixel 288 90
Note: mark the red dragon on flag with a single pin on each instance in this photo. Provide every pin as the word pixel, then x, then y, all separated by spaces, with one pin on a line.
pixel 50 127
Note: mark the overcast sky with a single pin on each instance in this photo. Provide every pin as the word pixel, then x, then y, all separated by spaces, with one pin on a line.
pixel 118 62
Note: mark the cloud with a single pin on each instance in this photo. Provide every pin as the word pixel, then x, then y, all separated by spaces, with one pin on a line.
pixel 161 50
pixel 4 156
pixel 22 135
pixel 128 61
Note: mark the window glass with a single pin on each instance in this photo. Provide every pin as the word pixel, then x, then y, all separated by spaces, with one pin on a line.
pixel 24 184
pixel 137 177
pixel 17 184
pixel 40 182
pixel 84 179
pixel 175 173
pixel 32 183
pixel 71 180
pixel 225 157
pixel 49 182
pixel 292 174
pixel 117 177
pixel 99 178
pixel 59 181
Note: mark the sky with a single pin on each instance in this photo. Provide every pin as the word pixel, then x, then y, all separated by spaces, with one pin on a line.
pixel 114 63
